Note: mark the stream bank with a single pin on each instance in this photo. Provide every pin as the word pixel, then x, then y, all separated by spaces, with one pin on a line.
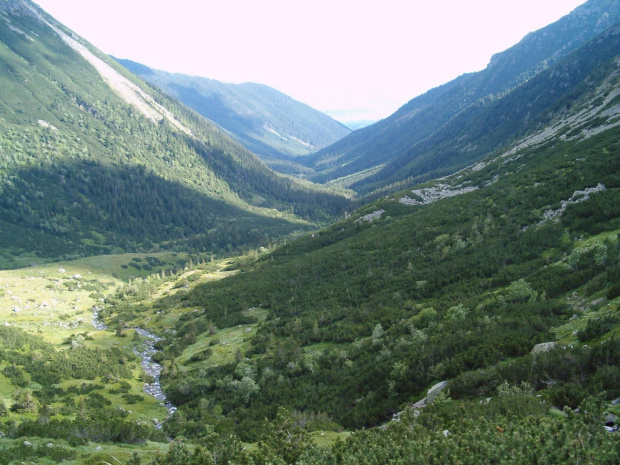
pixel 150 367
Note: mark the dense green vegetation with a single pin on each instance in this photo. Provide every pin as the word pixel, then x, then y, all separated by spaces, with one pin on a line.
pixel 514 428
pixel 360 319
pixel 500 283
pixel 267 122
pixel 82 172
pixel 68 389
pixel 79 412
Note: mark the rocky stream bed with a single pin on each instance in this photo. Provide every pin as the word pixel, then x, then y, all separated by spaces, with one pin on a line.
pixel 150 367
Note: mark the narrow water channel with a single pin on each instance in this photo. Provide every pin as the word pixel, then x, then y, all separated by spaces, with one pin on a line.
pixel 146 360
pixel 153 369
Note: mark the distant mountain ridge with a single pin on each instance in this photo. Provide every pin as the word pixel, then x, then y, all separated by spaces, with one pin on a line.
pixel 266 121
pixel 377 157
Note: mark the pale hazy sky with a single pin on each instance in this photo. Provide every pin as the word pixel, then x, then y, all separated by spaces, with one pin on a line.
pixel 353 59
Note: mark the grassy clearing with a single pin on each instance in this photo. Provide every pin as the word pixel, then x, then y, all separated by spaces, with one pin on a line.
pixel 120 265
pixel 597 240
pixel 567 334
pixel 160 321
pixel 328 438
pixel 230 340
pixel 54 301
pixel 110 453
pixel 589 305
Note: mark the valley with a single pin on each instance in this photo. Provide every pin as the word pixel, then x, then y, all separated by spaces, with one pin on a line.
pixel 446 290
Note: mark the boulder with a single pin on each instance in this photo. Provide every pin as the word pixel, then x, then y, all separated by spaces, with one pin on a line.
pixel 544 347
pixel 434 391
pixel 610 419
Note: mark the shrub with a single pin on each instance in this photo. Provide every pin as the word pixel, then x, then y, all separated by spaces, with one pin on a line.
pixel 596 327
pixel 202 355
pixel 614 291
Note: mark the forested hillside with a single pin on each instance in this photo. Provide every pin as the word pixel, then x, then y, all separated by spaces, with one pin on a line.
pixel 267 122
pixel 471 318
pixel 448 127
pixel 499 283
pixel 93 161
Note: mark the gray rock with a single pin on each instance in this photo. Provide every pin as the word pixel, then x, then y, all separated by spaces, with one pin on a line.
pixel 435 390
pixel 544 347
pixel 610 419
pixel 49 444
pixel 598 301
pixel 27 443
pixel 421 403
pixel 615 401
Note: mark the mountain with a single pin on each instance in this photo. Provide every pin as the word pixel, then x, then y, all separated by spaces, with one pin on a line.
pixel 266 121
pixel 500 282
pixel 468 319
pixel 449 127
pixel 95 161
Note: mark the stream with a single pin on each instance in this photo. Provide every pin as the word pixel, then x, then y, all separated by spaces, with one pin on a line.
pixel 150 367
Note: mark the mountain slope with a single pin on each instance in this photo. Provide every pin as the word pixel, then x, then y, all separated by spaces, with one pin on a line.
pixel 499 284
pixel 501 281
pixel 93 161
pixel 487 126
pixel 457 280
pixel 369 152
pixel 264 120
